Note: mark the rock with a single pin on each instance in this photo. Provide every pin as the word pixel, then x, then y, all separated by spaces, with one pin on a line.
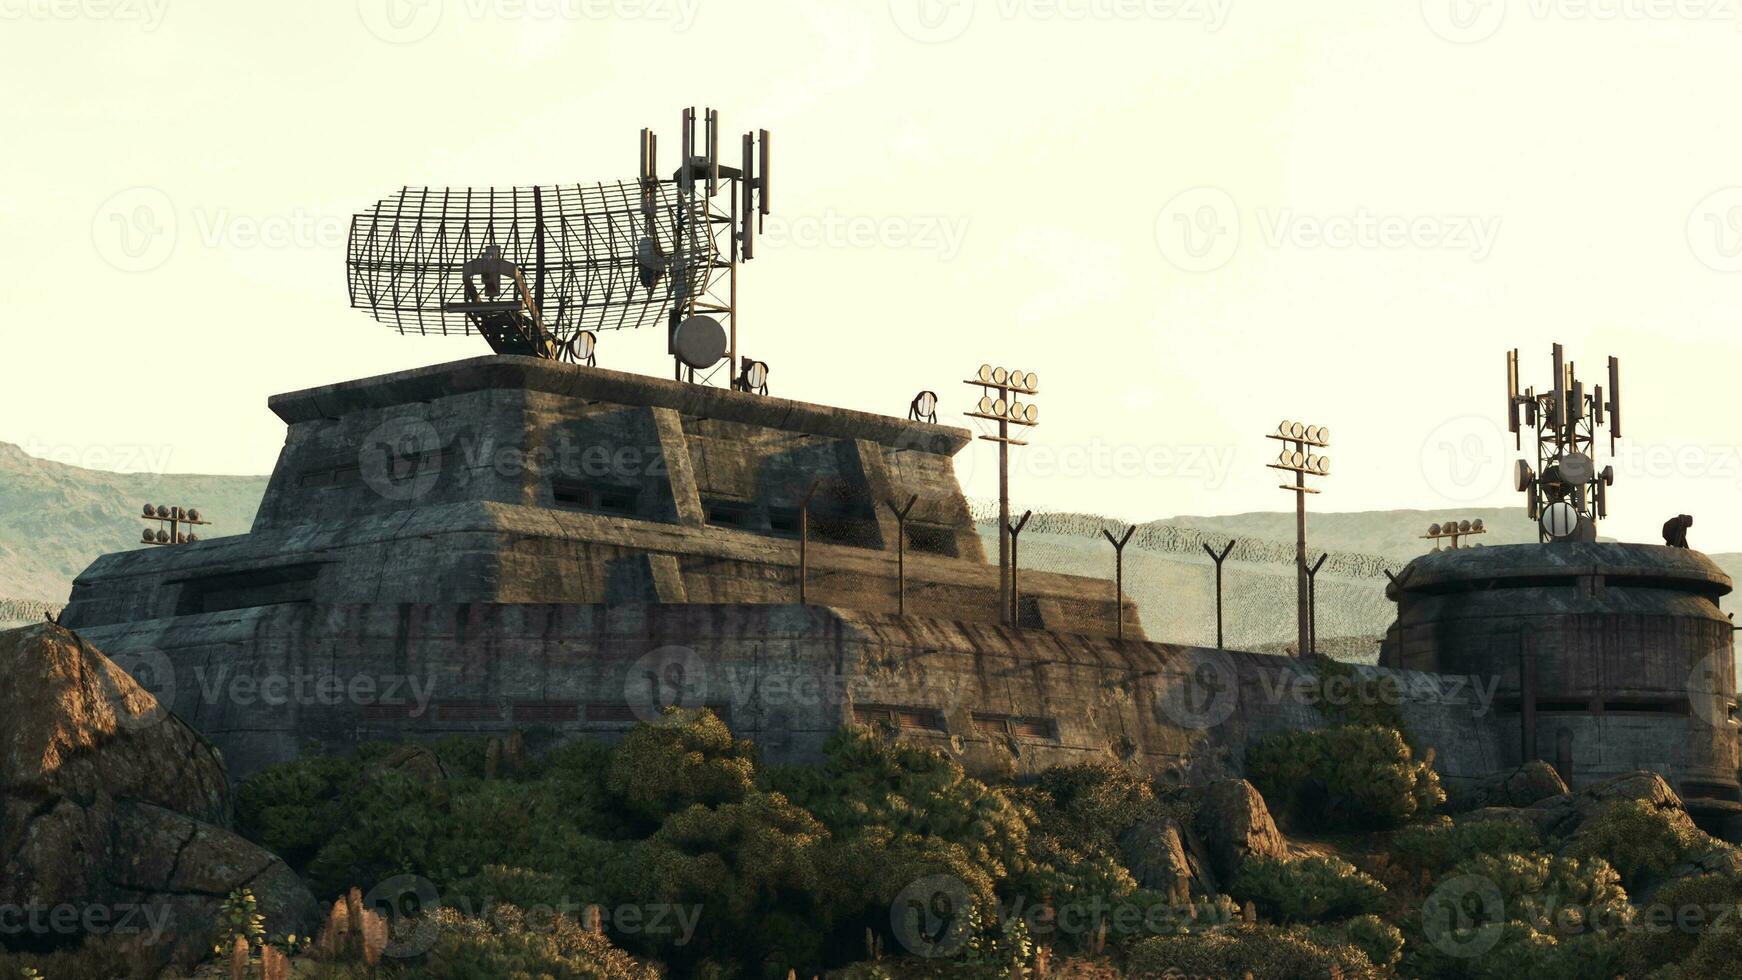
pixel 1560 816
pixel 416 761
pixel 1530 783
pixel 1235 824
pixel 110 804
pixel 1156 856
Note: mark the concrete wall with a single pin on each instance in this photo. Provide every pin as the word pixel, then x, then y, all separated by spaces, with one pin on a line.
pixel 1004 701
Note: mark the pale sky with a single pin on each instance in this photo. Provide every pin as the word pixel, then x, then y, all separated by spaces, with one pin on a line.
pixel 1194 218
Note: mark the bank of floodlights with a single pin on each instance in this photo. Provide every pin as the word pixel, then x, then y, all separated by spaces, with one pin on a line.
pixel 170 521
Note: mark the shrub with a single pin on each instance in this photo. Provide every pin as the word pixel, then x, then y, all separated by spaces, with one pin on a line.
pixel 1352 776
pixel 1380 941
pixel 1312 889
pixel 1249 950
pixel 1640 841
pixel 506 943
pixel 1435 848
pixel 289 808
pixel 868 781
pixel 1090 805
pixel 688 757
pixel 1672 924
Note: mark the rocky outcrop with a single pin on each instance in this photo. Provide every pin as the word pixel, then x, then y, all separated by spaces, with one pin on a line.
pixel 1155 853
pixel 1530 783
pixel 108 802
pixel 1560 816
pixel 1235 824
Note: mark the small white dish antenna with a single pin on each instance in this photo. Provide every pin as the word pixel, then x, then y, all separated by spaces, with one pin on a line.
pixel 700 342
pixel 1559 519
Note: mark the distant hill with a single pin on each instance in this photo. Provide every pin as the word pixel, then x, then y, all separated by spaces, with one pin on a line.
pixel 55 519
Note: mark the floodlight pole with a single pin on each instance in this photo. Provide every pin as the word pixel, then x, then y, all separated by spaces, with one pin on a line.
pixel 1302 439
pixel 1119 576
pixel 1219 559
pixel 1007 385
pixel 901 551
pixel 1313 603
pixel 1015 596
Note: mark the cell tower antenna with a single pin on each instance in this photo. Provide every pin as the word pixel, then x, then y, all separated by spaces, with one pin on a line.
pixel 1567 493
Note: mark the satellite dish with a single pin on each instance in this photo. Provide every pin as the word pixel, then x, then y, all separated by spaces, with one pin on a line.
pixel 1577 468
pixel 700 342
pixel 1522 476
pixel 1559 519
pixel 1608 476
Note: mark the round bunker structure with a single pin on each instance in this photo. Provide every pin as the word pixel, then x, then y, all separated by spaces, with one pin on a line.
pixel 1606 657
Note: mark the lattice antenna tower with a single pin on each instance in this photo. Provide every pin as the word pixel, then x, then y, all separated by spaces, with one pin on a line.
pixel 1567 493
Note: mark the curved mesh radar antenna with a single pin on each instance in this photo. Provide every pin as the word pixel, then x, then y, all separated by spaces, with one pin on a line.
pixel 527 268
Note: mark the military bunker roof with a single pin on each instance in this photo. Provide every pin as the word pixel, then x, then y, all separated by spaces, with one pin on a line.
pixel 498 371
pixel 1639 565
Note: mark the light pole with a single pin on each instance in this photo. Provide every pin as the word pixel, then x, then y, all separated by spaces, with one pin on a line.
pixel 1313 604
pixel 1015 595
pixel 176 518
pixel 1298 442
pixel 999 388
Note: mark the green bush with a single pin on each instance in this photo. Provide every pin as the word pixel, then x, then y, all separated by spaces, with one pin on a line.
pixel 508 943
pixel 289 808
pixel 1672 924
pixel 97 958
pixel 1638 840
pixel 688 757
pixel 1312 889
pixel 1437 847
pixel 1089 805
pixel 868 781
pixel 1249 950
pixel 1351 776
pixel 1380 941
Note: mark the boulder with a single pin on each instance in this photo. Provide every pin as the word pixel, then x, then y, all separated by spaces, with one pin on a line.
pixel 1530 783
pixel 110 804
pixel 1235 824
pixel 1560 816
pixel 1155 854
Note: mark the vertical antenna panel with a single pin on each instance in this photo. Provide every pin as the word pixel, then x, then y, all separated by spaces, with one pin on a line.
pixel 1614 399
pixel 1512 391
pixel 747 233
pixel 1597 406
pixel 1559 406
pixel 762 173
pixel 713 137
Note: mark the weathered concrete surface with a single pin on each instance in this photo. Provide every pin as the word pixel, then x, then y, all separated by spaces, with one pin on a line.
pixel 1628 661
pixel 514 480
pixel 259 681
